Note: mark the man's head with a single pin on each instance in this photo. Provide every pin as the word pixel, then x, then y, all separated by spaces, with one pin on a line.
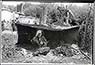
pixel 39 33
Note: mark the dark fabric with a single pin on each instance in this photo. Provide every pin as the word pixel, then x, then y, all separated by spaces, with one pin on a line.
pixel 25 34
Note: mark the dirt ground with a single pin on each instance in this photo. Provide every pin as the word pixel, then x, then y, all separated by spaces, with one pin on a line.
pixel 13 54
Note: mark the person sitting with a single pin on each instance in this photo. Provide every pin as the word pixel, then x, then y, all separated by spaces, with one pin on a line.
pixel 40 39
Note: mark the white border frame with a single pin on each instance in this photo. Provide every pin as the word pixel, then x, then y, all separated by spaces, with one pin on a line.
pixel 46 63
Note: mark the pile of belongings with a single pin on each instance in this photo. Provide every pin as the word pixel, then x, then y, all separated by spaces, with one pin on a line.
pixel 65 50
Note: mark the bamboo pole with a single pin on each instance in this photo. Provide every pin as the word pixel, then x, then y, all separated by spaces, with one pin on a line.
pixel 93 60
pixel 0 31
pixel 87 29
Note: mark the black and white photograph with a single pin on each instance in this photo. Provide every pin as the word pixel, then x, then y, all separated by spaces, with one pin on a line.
pixel 40 32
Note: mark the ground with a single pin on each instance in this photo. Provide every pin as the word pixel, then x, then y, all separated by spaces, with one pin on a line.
pixel 13 54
